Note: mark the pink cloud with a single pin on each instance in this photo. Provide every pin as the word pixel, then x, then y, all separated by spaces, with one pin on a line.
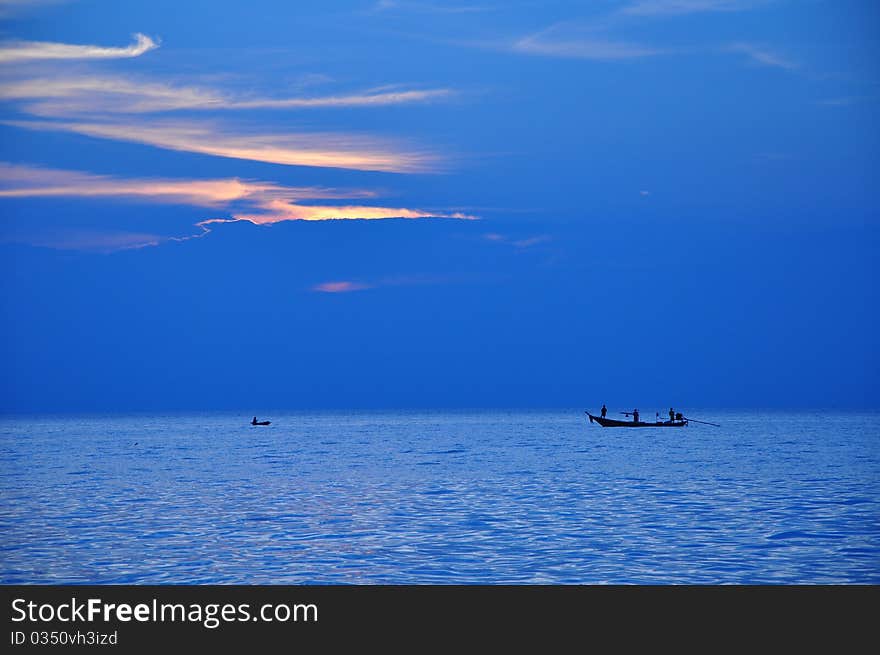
pixel 343 286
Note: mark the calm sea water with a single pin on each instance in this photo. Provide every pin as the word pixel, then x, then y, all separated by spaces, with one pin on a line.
pixel 440 497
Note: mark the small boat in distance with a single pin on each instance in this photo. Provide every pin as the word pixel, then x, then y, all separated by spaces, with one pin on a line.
pixel 256 422
pixel 614 423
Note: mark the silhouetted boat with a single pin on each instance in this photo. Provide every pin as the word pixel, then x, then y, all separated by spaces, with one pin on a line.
pixel 260 422
pixel 614 423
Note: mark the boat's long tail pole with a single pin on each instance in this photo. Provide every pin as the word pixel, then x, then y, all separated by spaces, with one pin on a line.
pixel 693 420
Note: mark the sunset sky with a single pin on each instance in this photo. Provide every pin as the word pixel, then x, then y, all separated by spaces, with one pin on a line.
pixel 279 205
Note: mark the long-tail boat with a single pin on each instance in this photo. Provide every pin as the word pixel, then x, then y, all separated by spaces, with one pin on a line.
pixel 614 423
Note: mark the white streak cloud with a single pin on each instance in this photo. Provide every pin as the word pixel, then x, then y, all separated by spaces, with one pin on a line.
pixel 66 96
pixel 91 240
pixel 580 42
pixel 12 7
pixel 584 48
pixel 680 7
pixel 428 7
pixel 18 51
pixel 763 56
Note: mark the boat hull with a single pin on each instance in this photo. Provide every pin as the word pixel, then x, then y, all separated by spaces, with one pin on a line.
pixel 614 423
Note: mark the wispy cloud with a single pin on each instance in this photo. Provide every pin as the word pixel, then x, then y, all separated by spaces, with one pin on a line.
pixel 257 202
pixel 329 150
pixel 345 286
pixel 774 156
pixel 17 181
pixel 550 45
pixel 367 99
pixel 90 240
pixel 428 7
pixel 73 95
pixel 582 40
pixel 679 7
pixel 12 7
pixel 66 95
pixel 599 38
pixel 527 242
pixel 112 107
pixel 762 56
pixel 18 51
pixel 532 241
pixel 838 102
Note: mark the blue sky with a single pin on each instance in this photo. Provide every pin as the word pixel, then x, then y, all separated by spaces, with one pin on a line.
pixel 224 205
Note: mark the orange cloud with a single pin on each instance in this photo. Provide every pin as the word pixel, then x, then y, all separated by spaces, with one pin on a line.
pixel 269 202
pixel 276 210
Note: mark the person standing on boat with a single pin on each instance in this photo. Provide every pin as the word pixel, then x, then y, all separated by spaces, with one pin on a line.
pixel 635 416
pixel 671 414
pixel 604 410
pixel 254 422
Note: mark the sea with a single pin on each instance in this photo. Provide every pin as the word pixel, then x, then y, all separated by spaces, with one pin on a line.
pixel 440 497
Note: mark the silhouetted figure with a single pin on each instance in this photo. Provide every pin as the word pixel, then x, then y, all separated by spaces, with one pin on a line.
pixel 635 416
pixel 254 422
pixel 679 417
pixel 671 414
pixel 604 410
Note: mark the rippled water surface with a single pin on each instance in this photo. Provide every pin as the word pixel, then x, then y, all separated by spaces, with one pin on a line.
pixel 440 497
